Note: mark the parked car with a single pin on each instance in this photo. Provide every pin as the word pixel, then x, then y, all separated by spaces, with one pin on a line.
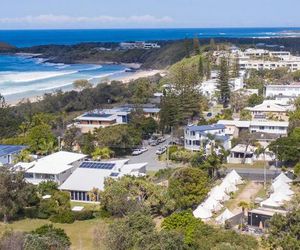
pixel 153 143
pixel 161 139
pixel 143 149
pixel 161 150
pixel 137 151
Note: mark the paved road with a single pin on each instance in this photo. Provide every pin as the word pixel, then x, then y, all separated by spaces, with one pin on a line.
pixel 256 174
pixel 150 156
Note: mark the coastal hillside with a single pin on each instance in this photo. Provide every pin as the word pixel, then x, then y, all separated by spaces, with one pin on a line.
pixel 169 52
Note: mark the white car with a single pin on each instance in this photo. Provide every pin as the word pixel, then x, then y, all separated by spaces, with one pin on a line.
pixel 136 152
pixel 139 151
pixel 161 150
pixel 143 149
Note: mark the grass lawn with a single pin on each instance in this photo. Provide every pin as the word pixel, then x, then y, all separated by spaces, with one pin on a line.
pixel 80 232
pixel 257 164
pixel 233 203
pixel 87 206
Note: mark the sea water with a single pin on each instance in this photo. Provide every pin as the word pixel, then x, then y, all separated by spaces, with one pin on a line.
pixel 25 76
pixel 27 38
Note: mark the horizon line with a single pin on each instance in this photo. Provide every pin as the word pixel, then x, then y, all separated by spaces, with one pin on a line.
pixel 156 28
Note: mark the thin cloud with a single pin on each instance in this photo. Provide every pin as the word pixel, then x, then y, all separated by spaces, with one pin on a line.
pixel 50 19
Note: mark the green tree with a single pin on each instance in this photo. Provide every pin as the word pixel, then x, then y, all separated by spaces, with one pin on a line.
pixel 102 153
pixel 196 45
pixel 70 138
pixel 47 188
pixel 87 143
pixel 142 90
pixel 184 222
pixel 201 71
pixel 223 82
pixel 40 136
pixel 188 187
pixel 283 231
pixel 23 156
pixel 14 193
pixel 120 138
pixel 236 67
pixel 128 194
pixel 245 115
pixel 287 148
pixel 47 237
pixel 254 100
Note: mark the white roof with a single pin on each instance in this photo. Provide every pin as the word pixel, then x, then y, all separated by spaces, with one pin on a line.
pixel 236 123
pixel 23 166
pixel 247 124
pixel 202 213
pixel 224 216
pixel 241 148
pixel 280 197
pixel 282 177
pixel 269 203
pixel 85 179
pixel 55 163
pixel 270 106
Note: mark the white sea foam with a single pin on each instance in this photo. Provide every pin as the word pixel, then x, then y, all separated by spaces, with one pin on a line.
pixel 21 77
pixel 92 68
pixel 55 87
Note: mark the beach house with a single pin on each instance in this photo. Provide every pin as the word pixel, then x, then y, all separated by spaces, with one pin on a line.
pixel 291 90
pixel 101 118
pixel 92 174
pixel 56 167
pixel 197 138
pixel 271 110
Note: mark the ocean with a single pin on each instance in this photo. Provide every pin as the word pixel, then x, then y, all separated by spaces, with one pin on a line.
pixel 24 76
pixel 27 38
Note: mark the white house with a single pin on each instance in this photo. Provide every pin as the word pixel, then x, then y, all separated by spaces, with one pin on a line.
pixel 92 174
pixel 234 127
pixel 293 64
pixel 271 109
pixel 8 153
pixel 198 138
pixel 101 118
pixel 55 167
pixel 292 90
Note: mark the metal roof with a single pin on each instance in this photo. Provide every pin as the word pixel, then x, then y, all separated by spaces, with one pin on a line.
pixel 205 127
pixel 10 149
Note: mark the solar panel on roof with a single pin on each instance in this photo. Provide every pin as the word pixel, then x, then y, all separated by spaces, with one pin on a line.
pixel 114 174
pixel 97 165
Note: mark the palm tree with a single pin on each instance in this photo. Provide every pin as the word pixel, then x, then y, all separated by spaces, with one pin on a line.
pixel 244 205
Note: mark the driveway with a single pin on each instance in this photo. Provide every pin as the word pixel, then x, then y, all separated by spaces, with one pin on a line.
pixel 150 157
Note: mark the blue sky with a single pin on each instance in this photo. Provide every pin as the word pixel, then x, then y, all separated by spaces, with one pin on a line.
pixel 29 14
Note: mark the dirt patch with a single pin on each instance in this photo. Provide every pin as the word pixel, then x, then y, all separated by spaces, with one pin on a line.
pixel 248 194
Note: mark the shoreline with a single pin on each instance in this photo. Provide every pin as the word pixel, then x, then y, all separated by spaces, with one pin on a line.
pixel 126 78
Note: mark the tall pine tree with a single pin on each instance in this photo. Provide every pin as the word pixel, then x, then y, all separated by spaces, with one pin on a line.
pixel 236 67
pixel 223 82
pixel 201 68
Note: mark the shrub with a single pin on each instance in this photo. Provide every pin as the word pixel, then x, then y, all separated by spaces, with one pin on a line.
pixel 182 156
pixel 63 217
pixel 84 215
pixel 31 212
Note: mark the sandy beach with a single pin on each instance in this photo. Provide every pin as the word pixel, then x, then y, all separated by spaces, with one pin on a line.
pixel 126 78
